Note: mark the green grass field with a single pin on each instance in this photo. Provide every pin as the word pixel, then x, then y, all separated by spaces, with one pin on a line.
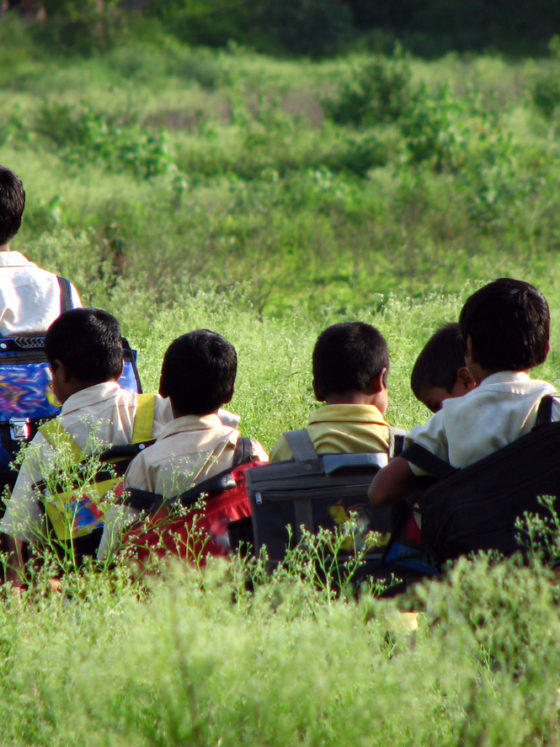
pixel 265 199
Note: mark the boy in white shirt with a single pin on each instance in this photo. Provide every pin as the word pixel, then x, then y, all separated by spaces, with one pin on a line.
pixel 30 297
pixel 198 376
pixel 505 326
pixel 84 350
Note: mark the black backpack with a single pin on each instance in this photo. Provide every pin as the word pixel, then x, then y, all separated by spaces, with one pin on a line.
pixel 476 508
pixel 313 491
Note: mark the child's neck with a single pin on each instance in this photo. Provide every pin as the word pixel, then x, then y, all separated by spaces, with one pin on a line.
pixel 483 373
pixel 350 398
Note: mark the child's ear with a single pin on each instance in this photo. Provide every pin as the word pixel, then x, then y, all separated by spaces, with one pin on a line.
pixel 379 381
pixel 319 396
pixel 465 380
pixel 230 395
pixel 61 370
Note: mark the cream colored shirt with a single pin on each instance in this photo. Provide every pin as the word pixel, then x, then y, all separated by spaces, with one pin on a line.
pixel 190 449
pixel 341 429
pixel 95 418
pixel 29 296
pixel 466 429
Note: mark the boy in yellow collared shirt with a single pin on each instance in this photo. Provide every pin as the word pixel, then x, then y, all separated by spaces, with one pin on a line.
pixel 350 365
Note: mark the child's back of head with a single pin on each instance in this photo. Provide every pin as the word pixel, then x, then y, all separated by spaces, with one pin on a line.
pixel 12 203
pixel 198 373
pixel 88 343
pixel 440 371
pixel 506 327
pixel 350 358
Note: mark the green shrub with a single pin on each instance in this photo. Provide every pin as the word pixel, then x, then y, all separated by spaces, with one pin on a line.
pixel 372 92
pixel 546 94
pixel 80 131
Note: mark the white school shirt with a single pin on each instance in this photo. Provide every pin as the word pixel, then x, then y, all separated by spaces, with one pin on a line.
pixel 95 417
pixel 501 409
pixel 29 296
pixel 188 450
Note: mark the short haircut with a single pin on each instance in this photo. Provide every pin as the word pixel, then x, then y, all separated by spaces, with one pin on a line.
pixel 12 203
pixel 439 360
pixel 88 342
pixel 198 372
pixel 508 322
pixel 347 357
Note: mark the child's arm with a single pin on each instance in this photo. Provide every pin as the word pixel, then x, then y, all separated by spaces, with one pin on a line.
pixel 392 483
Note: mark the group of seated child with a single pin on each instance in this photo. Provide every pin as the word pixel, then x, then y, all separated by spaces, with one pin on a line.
pixel 503 331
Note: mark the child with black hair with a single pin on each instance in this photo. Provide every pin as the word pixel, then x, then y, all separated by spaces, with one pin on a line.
pixel 30 297
pixel 85 355
pixel 350 366
pixel 505 326
pixel 198 376
pixel 440 372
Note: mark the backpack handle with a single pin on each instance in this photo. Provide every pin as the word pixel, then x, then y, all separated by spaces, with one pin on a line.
pixel 301 445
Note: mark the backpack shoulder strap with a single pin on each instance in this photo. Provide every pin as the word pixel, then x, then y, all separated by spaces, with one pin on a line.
pixel 57 435
pixel 65 294
pixel 544 413
pixel 144 418
pixel 243 451
pixel 427 461
pixel 396 441
pixel 301 445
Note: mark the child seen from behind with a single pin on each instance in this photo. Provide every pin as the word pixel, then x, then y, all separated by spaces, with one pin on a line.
pixel 198 376
pixel 350 366
pixel 505 326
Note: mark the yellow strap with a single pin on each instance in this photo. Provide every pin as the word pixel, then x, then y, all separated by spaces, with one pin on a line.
pixel 144 418
pixel 58 436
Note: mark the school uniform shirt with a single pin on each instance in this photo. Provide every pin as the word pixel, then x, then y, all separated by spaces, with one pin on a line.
pixel 29 296
pixel 341 429
pixel 189 449
pixel 96 417
pixel 501 409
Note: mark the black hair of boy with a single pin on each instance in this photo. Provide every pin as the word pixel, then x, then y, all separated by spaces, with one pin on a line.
pixel 12 203
pixel 89 343
pixel 198 372
pixel 347 357
pixel 508 322
pixel 439 360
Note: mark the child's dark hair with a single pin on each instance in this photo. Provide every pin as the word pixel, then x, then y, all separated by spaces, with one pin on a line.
pixel 347 357
pixel 198 372
pixel 12 203
pixel 508 322
pixel 439 360
pixel 88 342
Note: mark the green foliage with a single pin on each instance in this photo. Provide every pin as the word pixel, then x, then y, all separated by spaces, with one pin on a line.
pixel 82 26
pixel 315 27
pixel 81 131
pixel 373 91
pixel 546 94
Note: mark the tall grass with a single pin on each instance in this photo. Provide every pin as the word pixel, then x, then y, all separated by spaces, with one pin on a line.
pixel 184 188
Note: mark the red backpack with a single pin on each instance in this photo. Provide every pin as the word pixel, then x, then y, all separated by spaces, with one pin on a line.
pixel 178 526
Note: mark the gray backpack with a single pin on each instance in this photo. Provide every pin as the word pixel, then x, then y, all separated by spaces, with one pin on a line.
pixel 313 491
